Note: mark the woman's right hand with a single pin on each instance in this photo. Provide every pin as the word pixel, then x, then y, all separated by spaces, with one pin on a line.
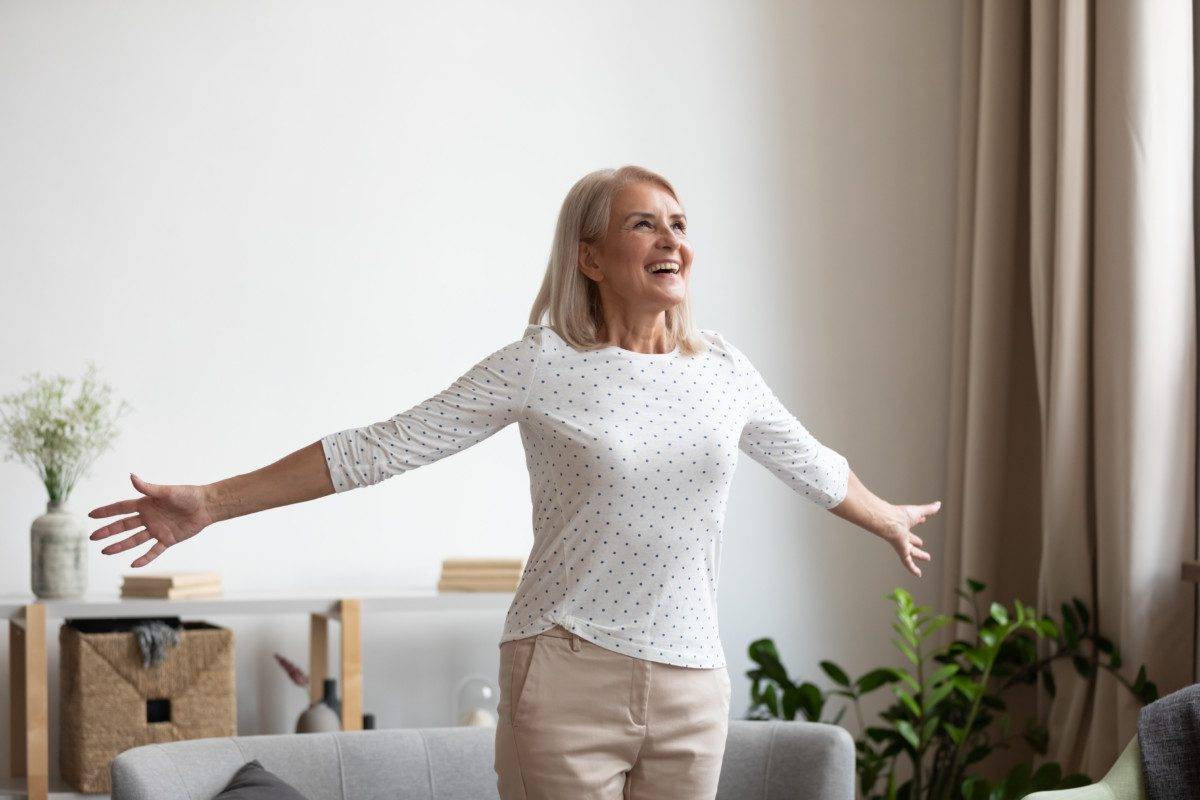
pixel 168 514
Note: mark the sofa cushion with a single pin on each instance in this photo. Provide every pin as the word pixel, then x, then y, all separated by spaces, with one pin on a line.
pixel 252 781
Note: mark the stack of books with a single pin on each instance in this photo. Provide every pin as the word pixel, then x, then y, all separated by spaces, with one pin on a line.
pixel 480 574
pixel 172 585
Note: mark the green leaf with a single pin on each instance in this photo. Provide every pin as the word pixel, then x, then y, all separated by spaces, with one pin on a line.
pixel 999 613
pixel 876 678
pixel 966 686
pixel 908 651
pixel 1047 628
pixel 1048 677
pixel 976 586
pixel 906 730
pixel 1082 666
pixel 835 673
pixel 907 699
pixel 956 733
pixel 1016 783
pixel 977 657
pixel 1074 781
pixel 904 675
pixel 811 700
pixel 937 695
pixel 1115 659
pixel 1046 777
pixel 944 672
pixel 1084 617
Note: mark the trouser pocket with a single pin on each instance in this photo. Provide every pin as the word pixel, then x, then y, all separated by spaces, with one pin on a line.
pixel 516 657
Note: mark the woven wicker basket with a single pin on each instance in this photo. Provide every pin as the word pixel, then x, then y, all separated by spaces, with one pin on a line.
pixel 110 702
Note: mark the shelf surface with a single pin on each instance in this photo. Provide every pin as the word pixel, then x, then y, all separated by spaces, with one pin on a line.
pixel 113 605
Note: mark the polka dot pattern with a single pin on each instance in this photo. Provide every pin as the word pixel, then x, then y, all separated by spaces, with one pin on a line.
pixel 630 459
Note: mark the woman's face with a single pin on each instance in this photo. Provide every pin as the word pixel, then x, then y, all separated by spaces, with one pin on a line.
pixel 647 227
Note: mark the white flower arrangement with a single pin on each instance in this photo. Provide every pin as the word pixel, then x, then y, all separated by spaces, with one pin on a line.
pixel 59 438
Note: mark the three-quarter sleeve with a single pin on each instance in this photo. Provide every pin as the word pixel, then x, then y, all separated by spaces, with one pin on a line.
pixel 480 403
pixel 773 437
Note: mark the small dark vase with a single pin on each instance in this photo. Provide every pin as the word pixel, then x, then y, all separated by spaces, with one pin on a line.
pixel 331 699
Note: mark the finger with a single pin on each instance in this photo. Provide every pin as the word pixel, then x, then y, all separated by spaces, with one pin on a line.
pixel 125 544
pixel 915 539
pixel 142 486
pixel 150 555
pixel 912 566
pixel 122 507
pixel 126 524
pixel 932 508
pixel 921 554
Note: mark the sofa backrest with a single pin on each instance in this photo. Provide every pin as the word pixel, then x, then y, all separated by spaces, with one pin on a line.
pixel 767 759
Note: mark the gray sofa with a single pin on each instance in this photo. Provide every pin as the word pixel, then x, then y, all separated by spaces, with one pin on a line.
pixel 764 760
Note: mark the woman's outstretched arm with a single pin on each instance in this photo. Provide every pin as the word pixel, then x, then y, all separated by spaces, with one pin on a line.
pixel 296 477
pixel 170 514
pixel 890 522
pixel 480 403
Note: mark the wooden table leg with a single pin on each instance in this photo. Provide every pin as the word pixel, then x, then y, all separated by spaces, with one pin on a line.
pixel 318 655
pixel 16 697
pixel 351 619
pixel 33 754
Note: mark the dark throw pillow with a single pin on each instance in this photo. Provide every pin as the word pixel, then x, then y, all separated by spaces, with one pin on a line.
pixel 252 781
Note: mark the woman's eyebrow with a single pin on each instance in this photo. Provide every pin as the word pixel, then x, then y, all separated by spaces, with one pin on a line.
pixel 651 216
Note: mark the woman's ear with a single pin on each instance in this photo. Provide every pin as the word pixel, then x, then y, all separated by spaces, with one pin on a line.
pixel 587 263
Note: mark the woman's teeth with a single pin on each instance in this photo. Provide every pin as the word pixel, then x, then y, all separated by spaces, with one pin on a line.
pixel 665 269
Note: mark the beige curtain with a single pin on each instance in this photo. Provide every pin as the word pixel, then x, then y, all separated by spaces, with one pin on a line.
pixel 1073 409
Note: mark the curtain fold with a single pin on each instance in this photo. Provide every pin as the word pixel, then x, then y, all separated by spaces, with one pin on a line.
pixel 1073 408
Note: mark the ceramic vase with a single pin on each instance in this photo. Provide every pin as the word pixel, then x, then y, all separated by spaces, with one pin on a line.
pixel 58 553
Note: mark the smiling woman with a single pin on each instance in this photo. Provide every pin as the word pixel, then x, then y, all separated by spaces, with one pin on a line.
pixel 632 419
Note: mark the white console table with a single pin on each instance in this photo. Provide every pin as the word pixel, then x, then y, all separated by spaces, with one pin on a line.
pixel 28 616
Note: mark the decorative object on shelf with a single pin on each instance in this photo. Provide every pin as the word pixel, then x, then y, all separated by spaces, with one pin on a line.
pixel 59 439
pixel 189 585
pixel 330 697
pixel 475 701
pixel 368 722
pixel 480 574
pixel 111 702
pixel 321 715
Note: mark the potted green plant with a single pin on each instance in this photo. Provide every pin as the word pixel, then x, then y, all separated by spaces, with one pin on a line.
pixel 59 438
pixel 950 714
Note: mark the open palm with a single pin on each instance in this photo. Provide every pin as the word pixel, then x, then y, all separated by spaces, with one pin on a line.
pixel 167 514
pixel 906 543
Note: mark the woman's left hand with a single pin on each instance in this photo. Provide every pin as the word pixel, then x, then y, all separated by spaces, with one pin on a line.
pixel 898 533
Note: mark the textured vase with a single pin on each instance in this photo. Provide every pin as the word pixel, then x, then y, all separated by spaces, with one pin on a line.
pixel 58 553
pixel 318 718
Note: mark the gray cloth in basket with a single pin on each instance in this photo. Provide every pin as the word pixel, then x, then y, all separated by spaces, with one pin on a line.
pixel 155 638
pixel 1169 735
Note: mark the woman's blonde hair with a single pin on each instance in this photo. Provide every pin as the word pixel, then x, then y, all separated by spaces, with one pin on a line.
pixel 568 298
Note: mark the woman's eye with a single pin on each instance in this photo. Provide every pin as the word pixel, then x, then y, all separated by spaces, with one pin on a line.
pixel 682 227
pixel 643 222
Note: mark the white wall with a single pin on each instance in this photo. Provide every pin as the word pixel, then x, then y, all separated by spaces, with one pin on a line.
pixel 269 221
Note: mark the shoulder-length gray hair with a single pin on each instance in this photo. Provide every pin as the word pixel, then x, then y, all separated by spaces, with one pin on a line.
pixel 568 298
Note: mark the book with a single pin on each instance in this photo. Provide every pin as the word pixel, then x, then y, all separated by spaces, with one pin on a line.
pixel 172 593
pixel 481 573
pixel 167 579
pixel 477 586
pixel 485 563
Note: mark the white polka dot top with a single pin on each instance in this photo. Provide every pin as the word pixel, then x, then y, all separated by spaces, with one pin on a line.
pixel 630 459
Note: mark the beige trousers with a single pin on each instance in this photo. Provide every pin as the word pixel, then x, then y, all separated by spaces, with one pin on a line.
pixel 578 721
